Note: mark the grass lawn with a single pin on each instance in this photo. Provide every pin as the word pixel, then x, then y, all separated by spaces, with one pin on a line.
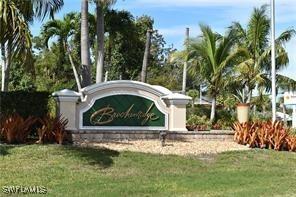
pixel 73 171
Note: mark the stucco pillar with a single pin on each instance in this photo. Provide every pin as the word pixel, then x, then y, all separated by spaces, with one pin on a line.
pixel 67 100
pixel 177 106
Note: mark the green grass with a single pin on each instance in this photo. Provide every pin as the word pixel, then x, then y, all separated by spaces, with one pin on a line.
pixel 70 171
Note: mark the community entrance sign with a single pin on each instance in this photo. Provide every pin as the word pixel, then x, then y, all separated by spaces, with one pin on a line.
pixel 124 111
pixel 121 107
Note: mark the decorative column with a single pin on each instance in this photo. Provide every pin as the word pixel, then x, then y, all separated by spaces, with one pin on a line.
pixel 67 100
pixel 177 106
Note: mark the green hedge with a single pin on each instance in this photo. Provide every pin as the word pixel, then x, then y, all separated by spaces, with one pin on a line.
pixel 27 104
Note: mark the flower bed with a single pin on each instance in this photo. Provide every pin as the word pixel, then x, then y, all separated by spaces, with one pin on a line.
pixel 265 135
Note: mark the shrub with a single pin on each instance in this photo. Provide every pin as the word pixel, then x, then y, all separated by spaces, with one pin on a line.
pixel 15 129
pixel 258 116
pixel 264 135
pixel 26 104
pixel 36 104
pixel 198 123
pixel 291 142
pixel 223 124
pixel 199 110
pixel 52 130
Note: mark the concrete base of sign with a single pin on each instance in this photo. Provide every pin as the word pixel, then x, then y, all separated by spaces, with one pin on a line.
pixel 101 136
pixel 73 105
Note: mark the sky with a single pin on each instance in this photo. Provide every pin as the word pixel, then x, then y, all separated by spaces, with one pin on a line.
pixel 171 17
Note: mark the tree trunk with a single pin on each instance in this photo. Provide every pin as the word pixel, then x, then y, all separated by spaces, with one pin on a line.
pixel 100 42
pixel 185 64
pixel 6 59
pixel 75 73
pixel 3 66
pixel 106 76
pixel 85 53
pixel 146 56
pixel 249 92
pixel 213 110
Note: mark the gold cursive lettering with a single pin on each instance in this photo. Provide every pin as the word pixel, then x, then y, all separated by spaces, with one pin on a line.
pixel 102 116
pixel 108 114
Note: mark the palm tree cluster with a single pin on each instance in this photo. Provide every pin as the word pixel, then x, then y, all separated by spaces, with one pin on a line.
pixel 239 61
pixel 15 35
pixel 236 63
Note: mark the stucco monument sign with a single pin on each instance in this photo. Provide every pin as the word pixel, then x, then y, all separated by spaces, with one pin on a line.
pixel 122 107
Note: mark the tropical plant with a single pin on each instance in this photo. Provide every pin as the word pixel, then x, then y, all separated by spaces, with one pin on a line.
pixel 16 129
pixel 53 129
pixel 64 30
pixel 15 38
pixel 195 122
pixel 264 135
pixel 213 57
pixel 254 67
pixel 262 101
pixel 193 94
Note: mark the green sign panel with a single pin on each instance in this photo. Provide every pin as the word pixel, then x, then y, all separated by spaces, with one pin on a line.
pixel 124 110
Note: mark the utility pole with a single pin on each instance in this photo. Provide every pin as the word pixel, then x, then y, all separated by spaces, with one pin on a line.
pixel 185 63
pixel 273 87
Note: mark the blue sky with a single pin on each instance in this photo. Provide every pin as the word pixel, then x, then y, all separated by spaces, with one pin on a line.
pixel 171 17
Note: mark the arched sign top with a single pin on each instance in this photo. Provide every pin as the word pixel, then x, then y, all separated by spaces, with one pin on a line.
pixel 125 84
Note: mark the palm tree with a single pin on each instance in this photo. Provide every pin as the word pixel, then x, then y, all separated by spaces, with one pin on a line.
pixel 63 30
pixel 85 53
pixel 101 5
pixel 181 58
pixel 15 37
pixel 213 55
pixel 254 69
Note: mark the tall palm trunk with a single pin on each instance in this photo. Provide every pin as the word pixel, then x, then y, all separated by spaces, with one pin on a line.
pixel 185 64
pixel 146 56
pixel 6 61
pixel 3 66
pixel 85 53
pixel 100 42
pixel 68 51
pixel 213 109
